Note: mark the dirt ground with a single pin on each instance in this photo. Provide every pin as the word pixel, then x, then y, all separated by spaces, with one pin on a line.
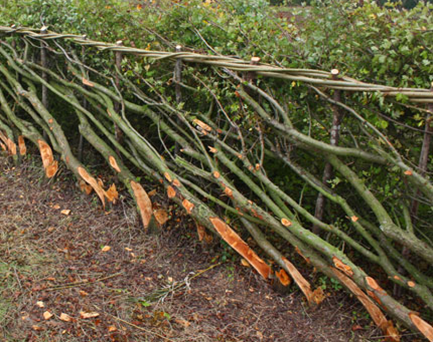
pixel 94 275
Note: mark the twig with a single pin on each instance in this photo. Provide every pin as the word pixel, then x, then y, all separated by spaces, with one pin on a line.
pixel 78 283
pixel 140 328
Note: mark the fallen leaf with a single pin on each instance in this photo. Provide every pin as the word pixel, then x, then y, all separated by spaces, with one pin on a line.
pixel 40 304
pixel 88 314
pixel 37 328
pixel 65 317
pixel 66 212
pixel 182 322
pixel 47 315
pixel 83 293
pixel 112 328
pixel 105 249
pixel 57 207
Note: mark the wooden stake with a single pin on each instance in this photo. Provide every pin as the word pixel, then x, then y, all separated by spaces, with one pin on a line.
pixel 335 137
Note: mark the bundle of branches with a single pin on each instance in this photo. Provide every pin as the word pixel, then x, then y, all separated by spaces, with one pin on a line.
pixel 235 153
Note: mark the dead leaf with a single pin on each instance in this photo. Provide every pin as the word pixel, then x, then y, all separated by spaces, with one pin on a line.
pixel 65 317
pixel 83 293
pixel 37 328
pixel 65 212
pixel 85 315
pixel 47 315
pixel 182 322
pixel 105 249
pixel 40 304
pixel 112 328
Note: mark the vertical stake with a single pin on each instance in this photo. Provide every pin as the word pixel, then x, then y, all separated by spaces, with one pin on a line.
pixel 178 79
pixel 251 75
pixel 44 64
pixel 422 165
pixel 335 137
pixel 84 104
pixel 118 106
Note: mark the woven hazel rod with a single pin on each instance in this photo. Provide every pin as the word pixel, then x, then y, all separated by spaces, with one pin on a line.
pixel 311 76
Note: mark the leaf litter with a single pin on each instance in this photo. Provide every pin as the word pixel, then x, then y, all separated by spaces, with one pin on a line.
pixel 60 285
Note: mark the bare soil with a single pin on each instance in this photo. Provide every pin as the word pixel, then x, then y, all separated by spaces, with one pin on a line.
pixel 137 286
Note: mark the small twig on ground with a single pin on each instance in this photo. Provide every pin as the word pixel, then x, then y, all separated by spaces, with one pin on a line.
pixel 140 328
pixel 162 293
pixel 78 283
